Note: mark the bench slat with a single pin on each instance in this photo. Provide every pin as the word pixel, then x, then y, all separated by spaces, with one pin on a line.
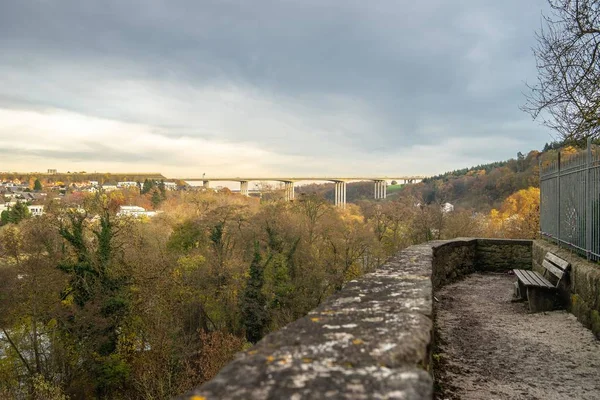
pixel 524 277
pixel 553 269
pixel 543 282
pixel 559 262
pixel 531 278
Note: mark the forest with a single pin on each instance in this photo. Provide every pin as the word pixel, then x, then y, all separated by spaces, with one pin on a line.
pixel 99 306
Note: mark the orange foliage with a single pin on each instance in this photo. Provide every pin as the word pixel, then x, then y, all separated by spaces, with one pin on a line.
pixel 518 216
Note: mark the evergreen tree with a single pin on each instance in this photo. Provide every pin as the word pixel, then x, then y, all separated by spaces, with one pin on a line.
pixel 147 186
pixel 37 185
pixel 163 190
pixel 156 198
pixel 254 303
pixel 4 217
pixel 18 213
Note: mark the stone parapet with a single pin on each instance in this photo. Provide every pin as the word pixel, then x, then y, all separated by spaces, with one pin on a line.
pixel 581 290
pixel 371 340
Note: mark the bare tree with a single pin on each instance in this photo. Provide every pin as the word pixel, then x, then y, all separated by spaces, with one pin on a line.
pixel 567 95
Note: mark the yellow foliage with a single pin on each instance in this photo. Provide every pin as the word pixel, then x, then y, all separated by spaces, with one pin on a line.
pixel 518 216
pixel 353 272
pixel 68 301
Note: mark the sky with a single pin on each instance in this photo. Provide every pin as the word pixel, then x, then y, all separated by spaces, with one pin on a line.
pixel 266 88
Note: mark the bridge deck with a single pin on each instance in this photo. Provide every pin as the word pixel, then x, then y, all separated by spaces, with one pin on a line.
pixel 296 179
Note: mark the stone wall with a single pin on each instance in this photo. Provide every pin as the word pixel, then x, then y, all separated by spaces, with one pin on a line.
pixel 453 259
pixel 581 290
pixel 373 339
pixel 498 255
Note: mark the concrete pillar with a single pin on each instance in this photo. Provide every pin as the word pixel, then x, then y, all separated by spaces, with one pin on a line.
pixel 206 184
pixel 244 188
pixel 340 194
pixel 289 191
pixel 380 189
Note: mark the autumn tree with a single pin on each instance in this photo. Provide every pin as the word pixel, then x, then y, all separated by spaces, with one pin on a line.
pixel 98 291
pixel 566 96
pixel 518 216
pixel 32 343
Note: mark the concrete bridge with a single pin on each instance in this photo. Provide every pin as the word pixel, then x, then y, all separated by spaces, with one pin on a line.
pixel 379 192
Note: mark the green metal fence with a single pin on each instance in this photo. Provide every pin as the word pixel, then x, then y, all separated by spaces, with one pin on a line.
pixel 570 202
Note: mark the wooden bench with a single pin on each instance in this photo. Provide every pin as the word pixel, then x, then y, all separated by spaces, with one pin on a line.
pixel 536 288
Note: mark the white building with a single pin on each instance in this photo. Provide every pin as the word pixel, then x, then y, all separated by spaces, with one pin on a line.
pixel 109 188
pixel 447 207
pixel 126 184
pixel 36 210
pixel 135 211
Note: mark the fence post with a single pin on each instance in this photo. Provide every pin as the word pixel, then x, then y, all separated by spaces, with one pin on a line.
pixel 589 203
pixel 558 201
pixel 540 233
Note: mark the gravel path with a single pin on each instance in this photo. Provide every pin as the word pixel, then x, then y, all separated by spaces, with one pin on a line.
pixel 491 348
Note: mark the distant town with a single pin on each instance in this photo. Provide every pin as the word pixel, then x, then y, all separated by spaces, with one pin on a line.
pixel 35 190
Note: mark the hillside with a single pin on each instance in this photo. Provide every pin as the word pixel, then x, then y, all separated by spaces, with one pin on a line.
pixel 482 187
pixel 479 188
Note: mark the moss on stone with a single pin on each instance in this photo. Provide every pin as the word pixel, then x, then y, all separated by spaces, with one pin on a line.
pixel 595 319
pixel 581 310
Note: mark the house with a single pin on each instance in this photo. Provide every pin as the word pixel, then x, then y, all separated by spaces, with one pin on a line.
pixel 36 210
pixel 109 188
pixel 170 185
pixel 135 211
pixel 447 207
pixel 127 184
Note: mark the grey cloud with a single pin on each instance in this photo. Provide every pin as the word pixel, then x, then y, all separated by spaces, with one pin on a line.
pixel 459 66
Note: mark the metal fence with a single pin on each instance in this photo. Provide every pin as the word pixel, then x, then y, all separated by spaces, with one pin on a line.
pixel 570 202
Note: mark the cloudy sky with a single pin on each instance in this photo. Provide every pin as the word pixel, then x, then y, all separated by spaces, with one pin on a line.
pixel 289 87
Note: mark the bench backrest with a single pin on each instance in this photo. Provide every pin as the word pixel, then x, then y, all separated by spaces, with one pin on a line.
pixel 556 266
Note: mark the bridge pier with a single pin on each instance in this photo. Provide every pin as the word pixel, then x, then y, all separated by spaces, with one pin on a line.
pixel 380 189
pixel 340 194
pixel 244 188
pixel 289 191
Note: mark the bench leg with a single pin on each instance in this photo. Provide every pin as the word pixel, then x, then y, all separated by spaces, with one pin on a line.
pixel 540 299
pixel 520 291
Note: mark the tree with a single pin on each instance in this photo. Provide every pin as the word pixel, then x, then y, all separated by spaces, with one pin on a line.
pixel 37 185
pixel 18 213
pixel 147 186
pixel 156 198
pixel 518 216
pixel 4 217
pixel 254 303
pixel 566 96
